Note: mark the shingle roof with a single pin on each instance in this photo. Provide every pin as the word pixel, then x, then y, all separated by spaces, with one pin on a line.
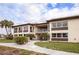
pixel 64 18
pixel 56 19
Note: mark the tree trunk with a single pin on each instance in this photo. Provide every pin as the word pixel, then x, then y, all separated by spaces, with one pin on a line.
pixel 6 31
pixel 10 31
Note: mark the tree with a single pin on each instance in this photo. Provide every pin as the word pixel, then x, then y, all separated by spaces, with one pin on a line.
pixel 43 36
pixel 7 25
pixel 31 36
pixel 10 24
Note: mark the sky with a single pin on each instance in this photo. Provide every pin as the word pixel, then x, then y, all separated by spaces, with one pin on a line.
pixel 21 13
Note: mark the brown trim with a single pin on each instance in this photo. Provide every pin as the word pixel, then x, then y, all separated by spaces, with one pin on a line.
pixel 57 19
pixel 60 39
pixel 64 18
pixel 41 24
pixel 62 28
pixel 30 24
pixel 22 25
pixel 41 33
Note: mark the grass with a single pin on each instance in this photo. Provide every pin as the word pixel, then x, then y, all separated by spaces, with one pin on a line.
pixel 15 51
pixel 6 41
pixel 62 46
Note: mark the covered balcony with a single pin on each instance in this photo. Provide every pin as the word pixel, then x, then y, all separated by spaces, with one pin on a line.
pixel 41 28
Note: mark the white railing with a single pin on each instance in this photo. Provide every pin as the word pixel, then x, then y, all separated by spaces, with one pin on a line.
pixel 41 30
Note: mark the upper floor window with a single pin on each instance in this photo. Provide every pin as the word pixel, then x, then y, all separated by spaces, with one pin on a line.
pixel 26 29
pixel 31 29
pixel 15 30
pixel 20 29
pixel 54 25
pixel 65 24
pixel 59 24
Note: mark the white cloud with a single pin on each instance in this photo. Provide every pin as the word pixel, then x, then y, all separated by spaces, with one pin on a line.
pixel 38 12
pixel 35 12
pixel 57 13
pixel 76 5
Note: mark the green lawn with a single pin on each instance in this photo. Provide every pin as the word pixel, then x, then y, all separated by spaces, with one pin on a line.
pixel 6 41
pixel 63 46
pixel 15 51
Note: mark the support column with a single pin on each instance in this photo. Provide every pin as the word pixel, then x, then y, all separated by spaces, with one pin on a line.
pixel 50 35
pixel 22 30
pixel 36 37
pixel 35 30
pixel 28 28
pixel 18 31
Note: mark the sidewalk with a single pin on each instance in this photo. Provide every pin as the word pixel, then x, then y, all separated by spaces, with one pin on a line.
pixel 30 46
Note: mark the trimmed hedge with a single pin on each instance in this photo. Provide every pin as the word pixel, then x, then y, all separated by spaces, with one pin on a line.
pixel 9 37
pixel 21 40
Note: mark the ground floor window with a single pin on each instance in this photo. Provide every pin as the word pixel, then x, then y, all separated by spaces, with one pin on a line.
pixel 20 34
pixel 15 35
pixel 54 35
pixel 25 34
pixel 59 35
pixel 65 34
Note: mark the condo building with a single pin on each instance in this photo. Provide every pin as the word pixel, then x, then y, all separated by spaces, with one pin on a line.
pixel 58 29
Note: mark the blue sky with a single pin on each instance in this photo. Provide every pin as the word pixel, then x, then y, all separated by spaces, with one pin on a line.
pixel 60 5
pixel 30 12
pixel 21 13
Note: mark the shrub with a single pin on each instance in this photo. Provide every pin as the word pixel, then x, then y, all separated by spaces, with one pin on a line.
pixel 43 36
pixel 21 40
pixel 10 37
pixel 31 36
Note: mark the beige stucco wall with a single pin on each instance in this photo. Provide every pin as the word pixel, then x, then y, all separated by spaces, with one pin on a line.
pixel 59 31
pixel 55 31
pixel 73 30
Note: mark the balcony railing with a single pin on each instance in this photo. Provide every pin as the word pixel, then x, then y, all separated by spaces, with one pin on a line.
pixel 25 31
pixel 41 31
pixel 60 28
pixel 20 31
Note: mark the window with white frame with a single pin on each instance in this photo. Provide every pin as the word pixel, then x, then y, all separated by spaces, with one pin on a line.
pixel 59 35
pixel 53 34
pixel 60 24
pixel 65 24
pixel 31 28
pixel 15 30
pixel 20 29
pixel 25 29
pixel 65 34
pixel 54 25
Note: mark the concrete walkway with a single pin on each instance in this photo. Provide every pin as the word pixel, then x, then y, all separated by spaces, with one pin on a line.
pixel 30 46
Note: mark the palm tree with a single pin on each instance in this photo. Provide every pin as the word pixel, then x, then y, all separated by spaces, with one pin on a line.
pixel 7 24
pixel 10 24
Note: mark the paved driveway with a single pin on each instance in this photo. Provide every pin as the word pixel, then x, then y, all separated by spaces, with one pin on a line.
pixel 30 46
